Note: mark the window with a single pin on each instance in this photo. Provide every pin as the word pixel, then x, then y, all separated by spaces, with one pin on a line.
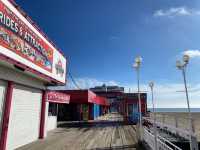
pixel 130 109
pixel 53 109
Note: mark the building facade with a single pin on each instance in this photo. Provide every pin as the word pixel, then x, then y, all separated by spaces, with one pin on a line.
pixel 29 62
pixel 126 104
pixel 130 106
pixel 114 95
pixel 84 105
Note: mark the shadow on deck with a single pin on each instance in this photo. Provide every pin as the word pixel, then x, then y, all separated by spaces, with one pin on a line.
pixel 85 124
pixel 124 147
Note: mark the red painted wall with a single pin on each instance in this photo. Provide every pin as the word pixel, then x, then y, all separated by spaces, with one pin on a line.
pixel 85 96
pixel 6 115
pixel 42 116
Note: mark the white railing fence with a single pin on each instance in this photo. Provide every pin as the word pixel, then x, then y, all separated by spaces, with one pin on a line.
pixel 162 143
pixel 178 131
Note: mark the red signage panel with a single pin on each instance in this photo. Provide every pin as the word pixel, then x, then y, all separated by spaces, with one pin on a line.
pixel 58 97
pixel 16 36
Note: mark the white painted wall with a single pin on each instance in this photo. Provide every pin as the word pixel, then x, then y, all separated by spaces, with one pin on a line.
pixel 51 123
pixel 24 123
pixel 19 77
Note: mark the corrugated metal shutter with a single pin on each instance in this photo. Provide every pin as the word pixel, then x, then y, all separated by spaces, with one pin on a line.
pixel 24 120
pixel 3 86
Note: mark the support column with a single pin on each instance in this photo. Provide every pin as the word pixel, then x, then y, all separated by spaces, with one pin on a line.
pixel 42 116
pixel 6 115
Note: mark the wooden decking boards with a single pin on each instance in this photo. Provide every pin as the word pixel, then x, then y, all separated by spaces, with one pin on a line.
pixel 105 135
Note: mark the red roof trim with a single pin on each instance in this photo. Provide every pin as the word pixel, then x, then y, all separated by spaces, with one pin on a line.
pixel 85 96
pixel 101 101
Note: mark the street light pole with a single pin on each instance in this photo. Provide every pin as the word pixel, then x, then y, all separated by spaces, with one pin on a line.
pixel 136 65
pixel 151 84
pixel 182 67
pixel 188 105
pixel 139 99
pixel 186 90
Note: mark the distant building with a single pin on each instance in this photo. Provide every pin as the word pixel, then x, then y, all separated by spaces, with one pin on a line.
pixel 131 106
pixel 125 103
pixel 114 95
pixel 104 88
pixel 84 105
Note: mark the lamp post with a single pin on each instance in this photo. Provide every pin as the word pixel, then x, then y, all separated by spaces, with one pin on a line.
pixel 182 66
pixel 136 65
pixel 151 84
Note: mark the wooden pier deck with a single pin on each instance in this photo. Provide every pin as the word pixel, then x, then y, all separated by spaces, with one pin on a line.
pixel 106 133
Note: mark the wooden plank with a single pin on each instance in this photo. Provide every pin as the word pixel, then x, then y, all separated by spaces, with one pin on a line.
pixel 128 142
pixel 116 139
pixel 122 135
pixel 130 135
pixel 102 138
pixel 92 142
pixel 77 143
pixel 89 137
pixel 109 136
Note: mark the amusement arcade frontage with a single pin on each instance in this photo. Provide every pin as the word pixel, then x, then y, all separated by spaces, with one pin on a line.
pixel 29 62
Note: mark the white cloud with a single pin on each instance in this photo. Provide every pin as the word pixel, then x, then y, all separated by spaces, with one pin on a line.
pixel 176 11
pixel 192 53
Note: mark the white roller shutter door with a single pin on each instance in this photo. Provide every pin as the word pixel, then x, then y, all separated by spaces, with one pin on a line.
pixel 24 123
pixel 3 86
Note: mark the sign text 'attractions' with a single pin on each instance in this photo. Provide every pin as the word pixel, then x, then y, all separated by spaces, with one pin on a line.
pixel 16 36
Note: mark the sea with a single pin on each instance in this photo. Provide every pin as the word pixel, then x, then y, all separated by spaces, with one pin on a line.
pixel 174 109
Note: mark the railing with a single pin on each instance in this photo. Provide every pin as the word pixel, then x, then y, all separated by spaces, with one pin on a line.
pixel 162 143
pixel 178 131
pixel 168 143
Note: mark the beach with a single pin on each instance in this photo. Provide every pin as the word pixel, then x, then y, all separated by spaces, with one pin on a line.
pixel 180 120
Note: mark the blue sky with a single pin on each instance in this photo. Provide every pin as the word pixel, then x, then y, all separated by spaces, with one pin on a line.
pixel 101 38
